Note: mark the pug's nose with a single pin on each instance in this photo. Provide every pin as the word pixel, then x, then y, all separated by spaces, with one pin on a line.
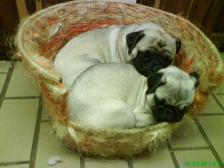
pixel 161 44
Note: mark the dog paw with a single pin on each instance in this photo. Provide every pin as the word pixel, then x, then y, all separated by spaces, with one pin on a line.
pixel 144 119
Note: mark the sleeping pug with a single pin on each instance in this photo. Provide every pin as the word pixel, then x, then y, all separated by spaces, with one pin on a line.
pixel 174 92
pixel 117 96
pixel 115 44
pixel 148 59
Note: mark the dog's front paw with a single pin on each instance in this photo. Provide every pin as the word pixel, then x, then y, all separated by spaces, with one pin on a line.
pixel 143 119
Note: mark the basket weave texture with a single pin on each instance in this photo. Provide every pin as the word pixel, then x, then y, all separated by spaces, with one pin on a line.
pixel 41 36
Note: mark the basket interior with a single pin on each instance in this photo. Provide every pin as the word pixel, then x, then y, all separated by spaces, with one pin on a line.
pixel 47 31
pixel 42 35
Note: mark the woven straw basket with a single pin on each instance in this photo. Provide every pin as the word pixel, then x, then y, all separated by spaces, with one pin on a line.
pixel 41 36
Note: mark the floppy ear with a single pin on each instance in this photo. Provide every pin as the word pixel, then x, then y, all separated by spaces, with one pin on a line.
pixel 178 45
pixel 132 39
pixel 196 76
pixel 154 81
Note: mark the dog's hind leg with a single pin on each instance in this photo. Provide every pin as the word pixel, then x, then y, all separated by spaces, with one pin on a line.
pixel 112 113
pixel 143 118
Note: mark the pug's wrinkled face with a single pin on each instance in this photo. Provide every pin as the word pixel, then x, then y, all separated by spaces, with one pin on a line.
pixel 151 48
pixel 174 92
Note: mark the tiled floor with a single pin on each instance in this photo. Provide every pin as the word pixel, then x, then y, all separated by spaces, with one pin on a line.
pixel 26 139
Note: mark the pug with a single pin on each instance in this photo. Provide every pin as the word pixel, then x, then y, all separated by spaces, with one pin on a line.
pixel 114 44
pixel 174 92
pixel 116 96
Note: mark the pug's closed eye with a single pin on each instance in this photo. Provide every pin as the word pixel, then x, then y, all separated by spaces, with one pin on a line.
pixel 159 101
pixel 161 44
pixel 151 50
pixel 166 53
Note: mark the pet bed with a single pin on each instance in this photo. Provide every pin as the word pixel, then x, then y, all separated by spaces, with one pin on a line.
pixel 41 36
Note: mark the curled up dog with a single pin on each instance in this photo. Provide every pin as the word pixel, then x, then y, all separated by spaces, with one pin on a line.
pixel 133 44
pixel 117 96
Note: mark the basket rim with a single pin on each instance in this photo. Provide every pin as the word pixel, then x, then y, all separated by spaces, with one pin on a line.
pixel 53 76
pixel 151 128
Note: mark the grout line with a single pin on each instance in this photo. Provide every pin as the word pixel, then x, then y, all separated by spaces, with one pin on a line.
pixel 13 163
pixel 218 93
pixel 6 83
pixel 189 9
pixel 82 161
pixel 211 147
pixel 130 163
pixel 218 102
pixel 36 135
pixel 210 6
pixel 23 97
pixel 3 73
pixel 211 114
pixel 139 1
pixel 190 148
pixel 173 157
pixel 46 120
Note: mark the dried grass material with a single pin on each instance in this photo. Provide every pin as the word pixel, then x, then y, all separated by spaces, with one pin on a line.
pixel 186 64
pixel 41 36
pixel 183 62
